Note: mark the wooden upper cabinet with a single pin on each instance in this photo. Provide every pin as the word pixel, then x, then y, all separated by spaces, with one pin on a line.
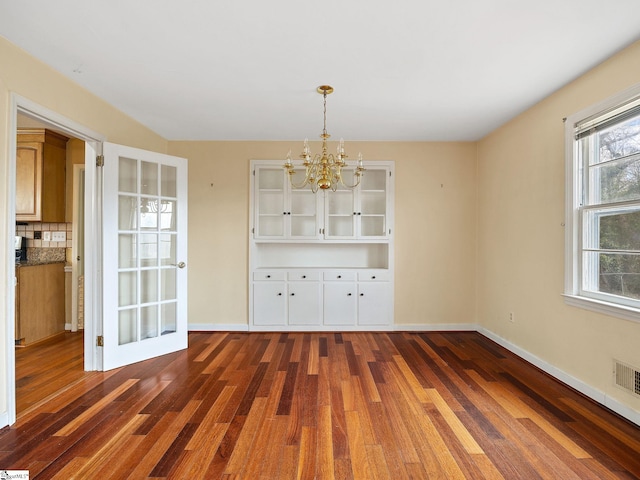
pixel 40 176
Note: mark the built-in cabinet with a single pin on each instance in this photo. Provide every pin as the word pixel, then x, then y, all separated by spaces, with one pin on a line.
pixel 40 176
pixel 321 261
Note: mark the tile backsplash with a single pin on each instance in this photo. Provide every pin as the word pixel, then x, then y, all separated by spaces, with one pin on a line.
pixel 31 230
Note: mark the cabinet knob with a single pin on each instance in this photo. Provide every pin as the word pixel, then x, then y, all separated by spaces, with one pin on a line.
pixel 339 276
pixel 362 294
pixel 304 276
pixel 279 294
pixel 292 294
pixel 354 213
pixel 359 213
pixel 348 294
pixel 373 277
pixel 268 276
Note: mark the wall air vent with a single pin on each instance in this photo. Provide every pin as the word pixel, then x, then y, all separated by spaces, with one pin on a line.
pixel 626 377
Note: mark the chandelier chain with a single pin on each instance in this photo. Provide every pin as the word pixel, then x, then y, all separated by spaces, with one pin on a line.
pixel 324 129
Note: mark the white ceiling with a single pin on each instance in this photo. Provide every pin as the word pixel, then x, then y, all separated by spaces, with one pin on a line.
pixel 248 70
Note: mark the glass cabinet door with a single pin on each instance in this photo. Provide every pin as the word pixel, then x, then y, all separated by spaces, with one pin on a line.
pixel 270 206
pixel 282 211
pixel 373 204
pixel 359 212
pixel 303 219
pixel 340 219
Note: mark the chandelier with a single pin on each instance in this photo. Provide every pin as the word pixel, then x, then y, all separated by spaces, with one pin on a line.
pixel 325 170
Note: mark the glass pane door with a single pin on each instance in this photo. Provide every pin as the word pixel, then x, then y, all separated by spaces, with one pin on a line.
pixel 143 312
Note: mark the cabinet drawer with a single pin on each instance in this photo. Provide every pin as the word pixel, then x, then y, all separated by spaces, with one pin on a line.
pixel 303 276
pixel 340 276
pixel 374 276
pixel 267 276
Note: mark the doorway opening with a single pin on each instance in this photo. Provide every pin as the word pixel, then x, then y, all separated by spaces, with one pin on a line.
pixel 49 297
pixel 25 113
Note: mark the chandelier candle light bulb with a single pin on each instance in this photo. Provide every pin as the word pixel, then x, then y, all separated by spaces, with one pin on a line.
pixel 324 171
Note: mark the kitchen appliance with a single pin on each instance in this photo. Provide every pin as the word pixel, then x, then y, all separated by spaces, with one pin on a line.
pixel 21 249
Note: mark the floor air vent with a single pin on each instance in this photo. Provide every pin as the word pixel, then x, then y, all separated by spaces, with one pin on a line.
pixel 627 377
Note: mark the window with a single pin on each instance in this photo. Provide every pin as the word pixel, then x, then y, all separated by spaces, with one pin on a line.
pixel 603 207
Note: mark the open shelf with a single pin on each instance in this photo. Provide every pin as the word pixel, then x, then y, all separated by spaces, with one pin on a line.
pixel 322 255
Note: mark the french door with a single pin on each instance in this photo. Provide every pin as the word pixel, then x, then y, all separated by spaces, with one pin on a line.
pixel 144 255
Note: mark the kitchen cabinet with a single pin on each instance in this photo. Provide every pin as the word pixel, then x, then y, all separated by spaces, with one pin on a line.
pixel 40 302
pixel 323 261
pixel 40 176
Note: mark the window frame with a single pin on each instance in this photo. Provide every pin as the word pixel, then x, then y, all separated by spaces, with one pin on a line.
pixel 574 179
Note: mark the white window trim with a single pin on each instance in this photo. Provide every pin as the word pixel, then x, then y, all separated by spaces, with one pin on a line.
pixel 573 193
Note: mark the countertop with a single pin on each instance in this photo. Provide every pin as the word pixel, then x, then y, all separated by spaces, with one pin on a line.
pixel 43 256
pixel 34 263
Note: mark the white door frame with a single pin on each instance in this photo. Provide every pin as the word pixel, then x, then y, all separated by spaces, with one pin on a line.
pixel 78 225
pixel 93 247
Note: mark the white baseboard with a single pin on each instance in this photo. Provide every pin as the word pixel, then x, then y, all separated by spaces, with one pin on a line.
pixel 207 327
pixel 587 390
pixel 437 327
pixel 4 419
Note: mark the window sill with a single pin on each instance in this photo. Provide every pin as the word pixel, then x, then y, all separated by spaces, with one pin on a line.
pixel 607 308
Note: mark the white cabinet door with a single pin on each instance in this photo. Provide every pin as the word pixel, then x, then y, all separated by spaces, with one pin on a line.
pixel 374 303
pixel 304 303
pixel 269 303
pixel 340 303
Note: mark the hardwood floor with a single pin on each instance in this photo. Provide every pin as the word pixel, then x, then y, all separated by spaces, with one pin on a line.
pixel 323 405
pixel 46 368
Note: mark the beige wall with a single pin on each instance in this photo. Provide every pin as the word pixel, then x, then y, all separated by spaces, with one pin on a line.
pixel 22 74
pixel 521 175
pixel 434 228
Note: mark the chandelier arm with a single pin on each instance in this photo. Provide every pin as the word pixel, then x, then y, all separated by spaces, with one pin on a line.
pixel 306 181
pixel 359 177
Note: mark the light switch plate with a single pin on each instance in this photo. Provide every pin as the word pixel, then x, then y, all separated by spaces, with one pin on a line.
pixel 59 236
pixel 46 236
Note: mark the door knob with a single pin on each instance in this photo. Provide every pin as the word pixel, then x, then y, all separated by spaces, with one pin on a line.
pixel 179 265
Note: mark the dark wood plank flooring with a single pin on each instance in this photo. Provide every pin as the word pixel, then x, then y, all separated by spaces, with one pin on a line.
pixel 46 368
pixel 323 405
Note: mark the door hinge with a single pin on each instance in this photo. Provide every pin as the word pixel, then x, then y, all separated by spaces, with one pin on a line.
pixel 100 341
pixel 100 161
